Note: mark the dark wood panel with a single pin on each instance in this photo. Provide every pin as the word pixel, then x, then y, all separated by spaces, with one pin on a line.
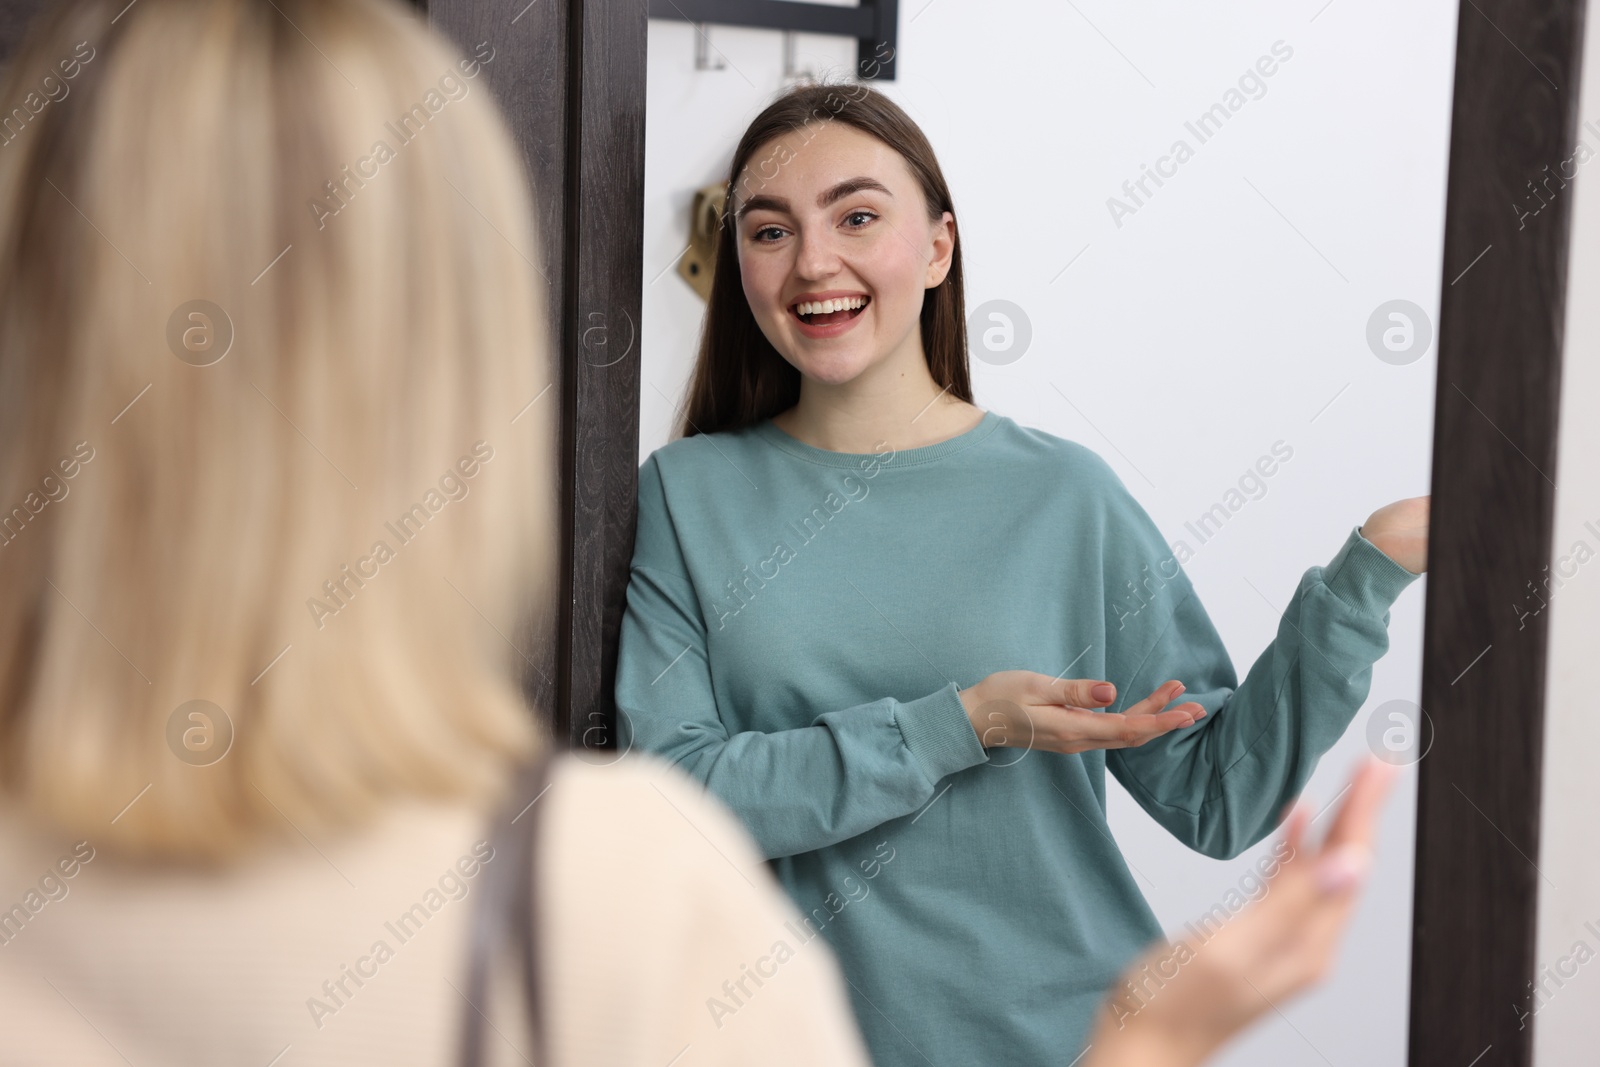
pixel 1504 279
pixel 605 231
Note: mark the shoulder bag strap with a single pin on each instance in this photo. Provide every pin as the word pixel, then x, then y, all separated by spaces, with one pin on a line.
pixel 505 910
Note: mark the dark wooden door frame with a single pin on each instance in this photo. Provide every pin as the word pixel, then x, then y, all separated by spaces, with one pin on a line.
pixel 1475 910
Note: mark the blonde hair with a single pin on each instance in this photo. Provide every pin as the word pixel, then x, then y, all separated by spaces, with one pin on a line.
pixel 387 339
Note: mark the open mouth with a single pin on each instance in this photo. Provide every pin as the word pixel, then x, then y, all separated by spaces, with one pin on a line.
pixel 826 312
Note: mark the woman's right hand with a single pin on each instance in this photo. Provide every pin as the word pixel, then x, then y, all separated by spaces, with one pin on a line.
pixel 1025 709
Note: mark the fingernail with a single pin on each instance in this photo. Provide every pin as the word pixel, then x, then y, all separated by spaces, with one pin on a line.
pixel 1343 868
pixel 1103 692
pixel 1178 691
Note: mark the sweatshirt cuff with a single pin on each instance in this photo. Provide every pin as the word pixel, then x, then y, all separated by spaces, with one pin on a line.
pixel 939 734
pixel 1362 575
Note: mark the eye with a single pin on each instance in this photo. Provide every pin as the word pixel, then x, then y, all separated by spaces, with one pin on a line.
pixel 755 235
pixel 857 215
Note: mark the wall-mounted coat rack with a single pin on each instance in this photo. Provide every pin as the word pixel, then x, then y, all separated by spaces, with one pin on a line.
pixel 873 24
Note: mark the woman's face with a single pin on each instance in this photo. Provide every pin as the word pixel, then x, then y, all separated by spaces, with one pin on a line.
pixel 831 213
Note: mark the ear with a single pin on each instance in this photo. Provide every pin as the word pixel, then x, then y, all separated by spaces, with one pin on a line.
pixel 943 250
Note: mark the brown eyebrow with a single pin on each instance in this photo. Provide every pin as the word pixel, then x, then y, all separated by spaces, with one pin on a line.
pixel 829 196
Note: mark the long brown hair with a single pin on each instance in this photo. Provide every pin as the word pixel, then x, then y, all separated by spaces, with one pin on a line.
pixel 739 378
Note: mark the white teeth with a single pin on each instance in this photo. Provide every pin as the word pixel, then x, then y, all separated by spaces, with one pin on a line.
pixel 826 307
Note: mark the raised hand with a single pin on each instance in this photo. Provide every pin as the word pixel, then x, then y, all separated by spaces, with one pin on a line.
pixel 1401 531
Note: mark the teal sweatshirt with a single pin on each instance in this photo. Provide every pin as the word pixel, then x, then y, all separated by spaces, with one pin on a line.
pixel 798 624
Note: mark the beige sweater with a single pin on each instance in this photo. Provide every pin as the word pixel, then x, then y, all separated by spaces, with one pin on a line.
pixel 352 951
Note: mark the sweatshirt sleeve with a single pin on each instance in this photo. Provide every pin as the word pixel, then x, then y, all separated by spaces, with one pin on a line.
pixel 1219 786
pixel 797 790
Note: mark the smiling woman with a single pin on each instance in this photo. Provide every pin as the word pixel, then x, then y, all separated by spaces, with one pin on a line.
pixel 755 345
pixel 898 247
pixel 858 699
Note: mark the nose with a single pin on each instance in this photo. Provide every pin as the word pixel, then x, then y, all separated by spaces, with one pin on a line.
pixel 818 255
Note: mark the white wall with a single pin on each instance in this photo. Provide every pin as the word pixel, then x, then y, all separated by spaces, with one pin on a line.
pixel 1229 312
pixel 1566 1006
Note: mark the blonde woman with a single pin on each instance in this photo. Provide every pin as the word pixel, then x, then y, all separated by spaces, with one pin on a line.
pixel 274 500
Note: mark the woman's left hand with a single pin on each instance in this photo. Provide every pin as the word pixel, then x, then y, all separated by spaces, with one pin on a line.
pixel 1401 531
